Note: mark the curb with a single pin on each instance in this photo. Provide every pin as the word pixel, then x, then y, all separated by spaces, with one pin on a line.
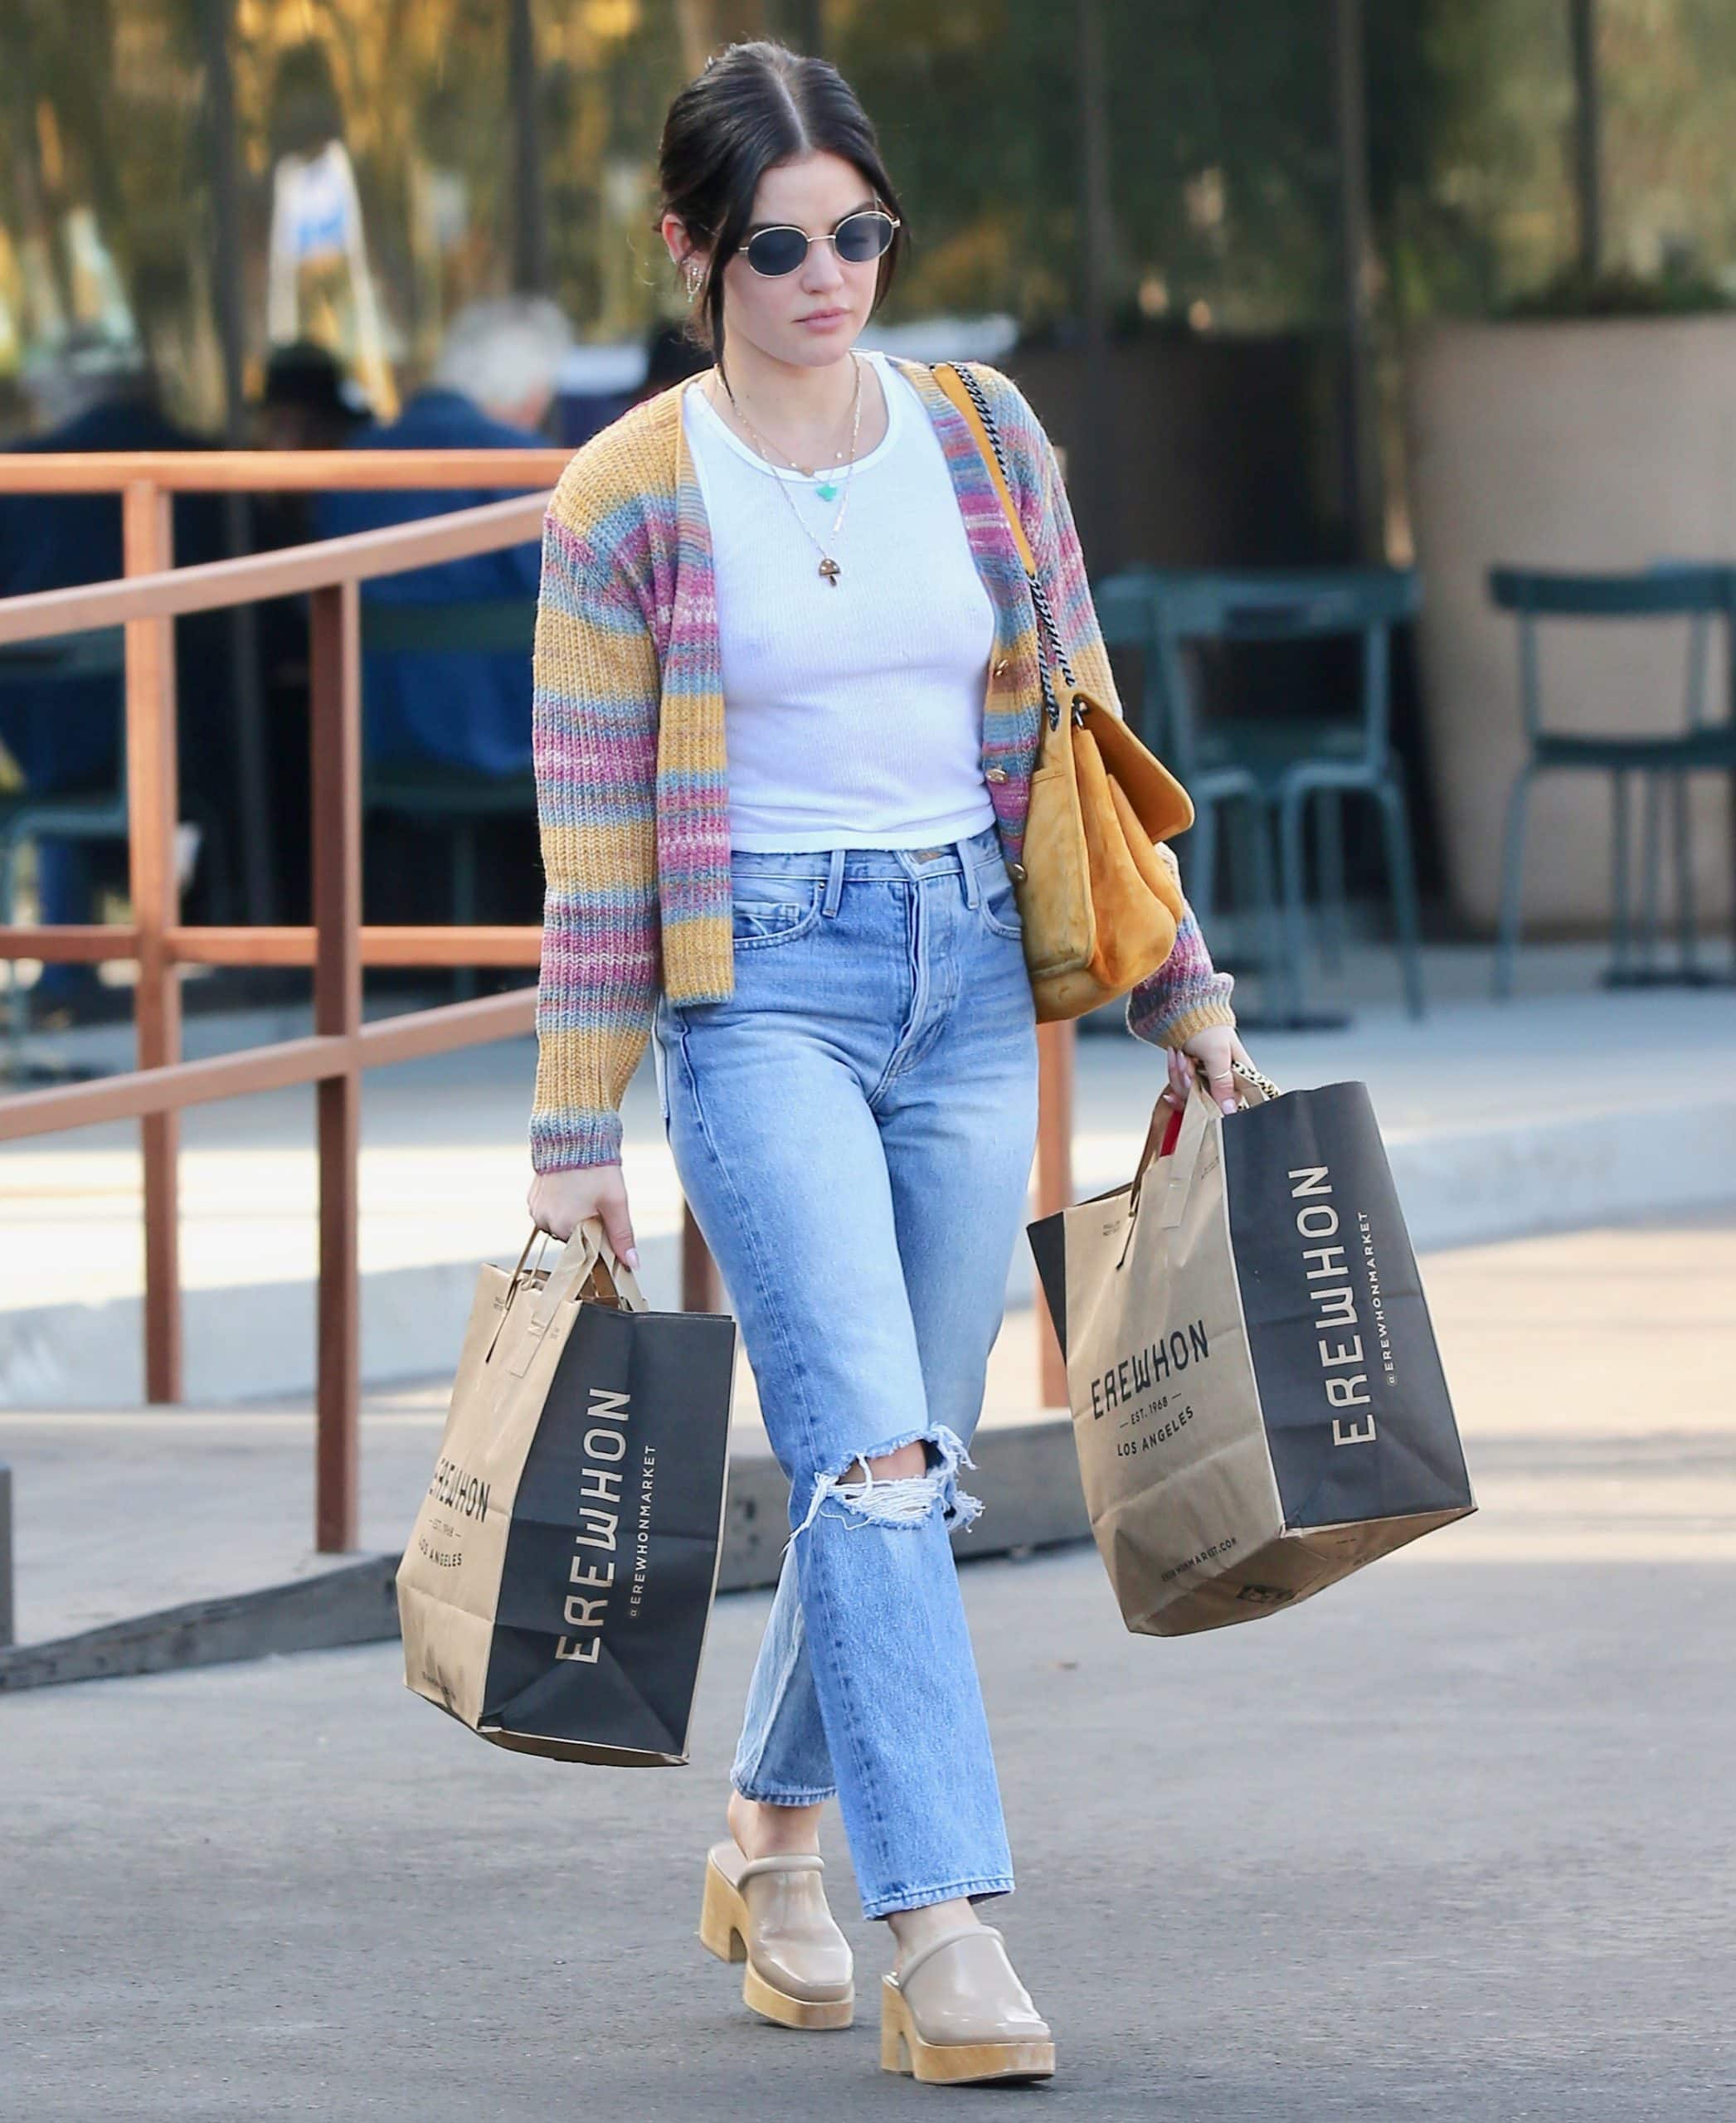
pixel 1466 1186
pixel 1027 1476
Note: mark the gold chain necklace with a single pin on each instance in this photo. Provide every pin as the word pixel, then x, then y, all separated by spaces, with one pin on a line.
pixel 828 568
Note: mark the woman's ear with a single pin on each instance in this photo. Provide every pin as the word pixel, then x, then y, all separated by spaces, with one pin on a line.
pixel 684 254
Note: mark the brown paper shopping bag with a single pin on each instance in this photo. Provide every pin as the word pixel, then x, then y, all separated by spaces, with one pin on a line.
pixel 1257 1402
pixel 556 1587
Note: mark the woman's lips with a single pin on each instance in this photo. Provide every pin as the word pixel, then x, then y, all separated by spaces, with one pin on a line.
pixel 822 318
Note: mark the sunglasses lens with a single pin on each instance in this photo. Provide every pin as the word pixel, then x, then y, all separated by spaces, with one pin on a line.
pixel 863 236
pixel 775 252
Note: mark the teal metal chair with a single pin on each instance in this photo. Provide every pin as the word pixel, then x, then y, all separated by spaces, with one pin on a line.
pixel 431 792
pixel 25 816
pixel 1704 597
pixel 1127 609
pixel 1269 771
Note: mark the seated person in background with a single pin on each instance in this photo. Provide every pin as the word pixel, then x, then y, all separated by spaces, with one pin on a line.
pixel 491 389
pixel 65 734
pixel 670 356
pixel 308 401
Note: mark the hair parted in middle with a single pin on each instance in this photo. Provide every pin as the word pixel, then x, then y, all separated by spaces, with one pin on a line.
pixel 753 105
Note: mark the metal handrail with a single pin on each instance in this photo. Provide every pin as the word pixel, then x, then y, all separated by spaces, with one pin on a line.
pixel 291 572
pixel 337 946
pixel 277 471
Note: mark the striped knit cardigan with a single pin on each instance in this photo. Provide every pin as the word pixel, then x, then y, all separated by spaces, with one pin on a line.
pixel 633 798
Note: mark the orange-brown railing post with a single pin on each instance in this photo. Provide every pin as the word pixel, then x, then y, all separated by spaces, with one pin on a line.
pixel 335 686
pixel 147 541
pixel 1054 1178
pixel 702 1287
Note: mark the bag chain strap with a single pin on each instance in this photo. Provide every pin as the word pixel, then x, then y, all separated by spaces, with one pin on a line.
pixel 1039 596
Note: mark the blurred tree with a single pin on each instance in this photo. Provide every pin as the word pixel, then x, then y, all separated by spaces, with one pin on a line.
pixel 1220 152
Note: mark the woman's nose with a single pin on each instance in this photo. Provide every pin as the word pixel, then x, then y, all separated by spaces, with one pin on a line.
pixel 824 276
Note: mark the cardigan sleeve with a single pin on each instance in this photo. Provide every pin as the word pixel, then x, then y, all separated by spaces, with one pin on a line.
pixel 1186 994
pixel 595 704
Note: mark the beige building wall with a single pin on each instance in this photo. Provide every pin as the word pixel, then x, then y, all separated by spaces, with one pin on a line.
pixel 1600 445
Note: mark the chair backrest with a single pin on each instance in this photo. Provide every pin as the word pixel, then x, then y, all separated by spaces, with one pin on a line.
pixel 100 654
pixel 1679 590
pixel 69 659
pixel 492 626
pixel 1123 605
pixel 1191 606
pixel 1700 592
pixel 1286 604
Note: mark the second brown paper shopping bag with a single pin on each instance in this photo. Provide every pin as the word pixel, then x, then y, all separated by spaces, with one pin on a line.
pixel 1257 1402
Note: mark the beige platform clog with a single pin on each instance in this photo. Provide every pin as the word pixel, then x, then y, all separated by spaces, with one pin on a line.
pixel 956 2014
pixel 771 1912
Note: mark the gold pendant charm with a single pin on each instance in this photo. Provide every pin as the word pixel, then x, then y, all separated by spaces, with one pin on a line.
pixel 829 568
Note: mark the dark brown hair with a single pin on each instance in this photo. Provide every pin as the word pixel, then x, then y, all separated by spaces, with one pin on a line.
pixel 754 105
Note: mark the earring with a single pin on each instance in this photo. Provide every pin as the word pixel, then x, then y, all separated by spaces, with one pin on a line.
pixel 693 278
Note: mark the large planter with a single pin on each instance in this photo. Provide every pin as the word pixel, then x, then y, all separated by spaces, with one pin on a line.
pixel 1595 444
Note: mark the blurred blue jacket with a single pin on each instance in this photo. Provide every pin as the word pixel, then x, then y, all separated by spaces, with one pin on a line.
pixel 465 710
pixel 65 732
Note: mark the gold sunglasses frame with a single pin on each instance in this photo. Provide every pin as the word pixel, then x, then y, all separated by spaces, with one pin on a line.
pixel 770 227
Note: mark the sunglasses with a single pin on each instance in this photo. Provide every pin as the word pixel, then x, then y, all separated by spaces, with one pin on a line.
pixel 775 252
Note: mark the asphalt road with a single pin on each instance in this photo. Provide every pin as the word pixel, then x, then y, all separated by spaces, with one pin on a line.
pixel 1453 1841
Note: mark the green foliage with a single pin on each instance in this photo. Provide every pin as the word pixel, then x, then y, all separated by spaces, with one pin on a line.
pixel 1222 146
pixel 1576 294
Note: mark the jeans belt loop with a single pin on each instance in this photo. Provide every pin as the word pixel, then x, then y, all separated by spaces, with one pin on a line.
pixel 967 864
pixel 834 881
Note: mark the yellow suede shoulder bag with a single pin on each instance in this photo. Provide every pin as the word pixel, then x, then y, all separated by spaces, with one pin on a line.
pixel 1099 898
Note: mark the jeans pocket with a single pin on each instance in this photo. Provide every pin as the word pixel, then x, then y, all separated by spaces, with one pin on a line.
pixel 770 910
pixel 999 905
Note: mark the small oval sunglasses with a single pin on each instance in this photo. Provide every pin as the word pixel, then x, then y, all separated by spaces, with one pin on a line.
pixel 775 252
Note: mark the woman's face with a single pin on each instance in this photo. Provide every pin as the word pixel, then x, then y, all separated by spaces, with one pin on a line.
pixel 809 317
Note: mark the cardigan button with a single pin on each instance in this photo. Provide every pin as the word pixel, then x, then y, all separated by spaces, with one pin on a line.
pixel 994 774
pixel 1015 871
pixel 1001 666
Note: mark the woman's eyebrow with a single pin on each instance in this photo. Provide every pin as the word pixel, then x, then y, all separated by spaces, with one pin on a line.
pixel 753 228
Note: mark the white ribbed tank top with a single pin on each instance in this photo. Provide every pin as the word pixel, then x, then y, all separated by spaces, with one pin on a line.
pixel 852 712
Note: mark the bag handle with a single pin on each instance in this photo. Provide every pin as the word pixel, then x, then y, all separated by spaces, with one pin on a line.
pixel 586 1255
pixel 1201 1109
pixel 966 394
pixel 1202 1112
pixel 1162 1115
pixel 587 1250
pixel 514 1280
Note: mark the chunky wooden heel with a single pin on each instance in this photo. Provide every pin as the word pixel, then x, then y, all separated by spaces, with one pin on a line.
pixel 771 1913
pixel 968 2018
pixel 722 1918
pixel 894 2043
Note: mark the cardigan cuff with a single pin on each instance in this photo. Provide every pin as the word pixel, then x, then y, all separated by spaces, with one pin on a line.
pixel 1179 1014
pixel 570 1138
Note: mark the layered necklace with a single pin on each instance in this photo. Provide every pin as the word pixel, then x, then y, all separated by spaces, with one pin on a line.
pixel 826 485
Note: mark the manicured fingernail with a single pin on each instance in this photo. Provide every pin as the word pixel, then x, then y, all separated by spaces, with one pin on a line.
pixel 1229 1105
pixel 631 1257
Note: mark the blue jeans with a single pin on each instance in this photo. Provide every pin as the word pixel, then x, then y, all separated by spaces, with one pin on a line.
pixel 853 1129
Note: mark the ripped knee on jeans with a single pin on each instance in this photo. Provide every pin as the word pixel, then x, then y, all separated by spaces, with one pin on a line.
pixel 862 1497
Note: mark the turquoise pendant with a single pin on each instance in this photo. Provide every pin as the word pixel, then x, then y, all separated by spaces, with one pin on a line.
pixel 828 492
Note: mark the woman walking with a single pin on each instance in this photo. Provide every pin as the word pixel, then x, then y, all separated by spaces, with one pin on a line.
pixel 795 563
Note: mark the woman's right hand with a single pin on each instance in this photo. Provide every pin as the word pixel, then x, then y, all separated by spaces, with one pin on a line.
pixel 560 1202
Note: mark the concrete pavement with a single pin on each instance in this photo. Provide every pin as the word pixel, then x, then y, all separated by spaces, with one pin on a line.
pixel 1568 1106
pixel 1451 1841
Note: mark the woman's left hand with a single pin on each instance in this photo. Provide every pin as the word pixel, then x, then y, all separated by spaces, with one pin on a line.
pixel 1218 1051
